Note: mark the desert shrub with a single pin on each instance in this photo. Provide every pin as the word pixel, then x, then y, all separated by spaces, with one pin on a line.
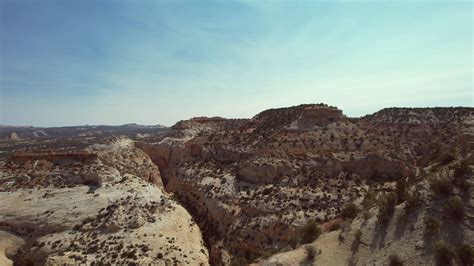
pixel 310 232
pixel 454 208
pixel 268 252
pixel 412 200
pixel 340 237
pixel 238 261
pixel 460 171
pixel 402 217
pixel 386 204
pixel 358 235
pixel 349 211
pixel 310 253
pixel 446 157
pixel 394 260
pixel 401 189
pixel 432 225
pixel 391 199
pixel 441 186
pixel 366 214
pixel 444 253
pixel 435 152
pixel 334 227
pixel 465 254
pixel 294 241
pixel 370 198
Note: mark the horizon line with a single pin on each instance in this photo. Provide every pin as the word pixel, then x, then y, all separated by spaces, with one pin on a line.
pixel 217 116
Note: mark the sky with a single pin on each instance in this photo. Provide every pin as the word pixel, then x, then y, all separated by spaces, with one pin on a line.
pixel 77 62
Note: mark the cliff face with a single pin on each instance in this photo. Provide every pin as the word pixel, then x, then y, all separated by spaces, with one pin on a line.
pixel 252 184
pixel 411 233
pixel 58 210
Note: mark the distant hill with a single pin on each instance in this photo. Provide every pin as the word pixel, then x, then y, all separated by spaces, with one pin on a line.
pixel 26 132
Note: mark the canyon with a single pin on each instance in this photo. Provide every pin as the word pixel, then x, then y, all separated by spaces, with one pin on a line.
pixel 219 191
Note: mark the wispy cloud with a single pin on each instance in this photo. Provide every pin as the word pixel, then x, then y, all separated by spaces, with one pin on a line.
pixel 70 62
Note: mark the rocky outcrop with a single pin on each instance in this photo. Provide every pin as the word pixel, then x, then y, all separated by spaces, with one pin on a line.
pixel 167 155
pixel 62 215
pixel 263 171
pixel 409 236
pixel 9 245
pixel 373 167
pixel 130 221
pixel 251 185
pixel 248 183
pixel 317 116
pixel 433 116
pixel 127 159
pixel 302 117
pixel 14 136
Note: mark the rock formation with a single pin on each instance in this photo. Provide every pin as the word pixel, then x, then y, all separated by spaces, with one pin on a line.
pixel 252 184
pixel 221 191
pixel 417 225
pixel 55 210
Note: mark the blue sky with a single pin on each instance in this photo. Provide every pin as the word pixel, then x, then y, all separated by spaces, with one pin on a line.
pixel 74 62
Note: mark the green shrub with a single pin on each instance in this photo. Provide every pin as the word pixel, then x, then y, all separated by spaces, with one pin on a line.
pixel 310 253
pixel 358 235
pixel 366 215
pixel 460 171
pixel 401 189
pixel 386 204
pixel 310 232
pixel 441 186
pixel 435 152
pixel 293 241
pixel 349 211
pixel 391 199
pixel 238 261
pixel 370 198
pixel 446 157
pixel 394 260
pixel 465 254
pixel 444 253
pixel 402 217
pixel 412 200
pixel 432 225
pixel 454 208
pixel 340 237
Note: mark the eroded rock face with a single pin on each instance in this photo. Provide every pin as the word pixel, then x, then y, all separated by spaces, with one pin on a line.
pixel 113 209
pixel 14 136
pixel 316 116
pixel 9 245
pixel 263 171
pixel 252 184
pixel 128 160
pixel 406 234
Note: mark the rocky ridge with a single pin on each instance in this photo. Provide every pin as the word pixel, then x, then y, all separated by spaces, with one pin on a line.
pixel 112 209
pixel 413 232
pixel 252 184
pixel 249 186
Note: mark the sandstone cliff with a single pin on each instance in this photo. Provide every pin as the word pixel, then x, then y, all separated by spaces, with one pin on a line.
pixel 253 184
pixel 58 211
pixel 425 228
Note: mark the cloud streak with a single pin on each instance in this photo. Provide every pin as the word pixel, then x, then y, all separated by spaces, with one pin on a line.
pixel 103 62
